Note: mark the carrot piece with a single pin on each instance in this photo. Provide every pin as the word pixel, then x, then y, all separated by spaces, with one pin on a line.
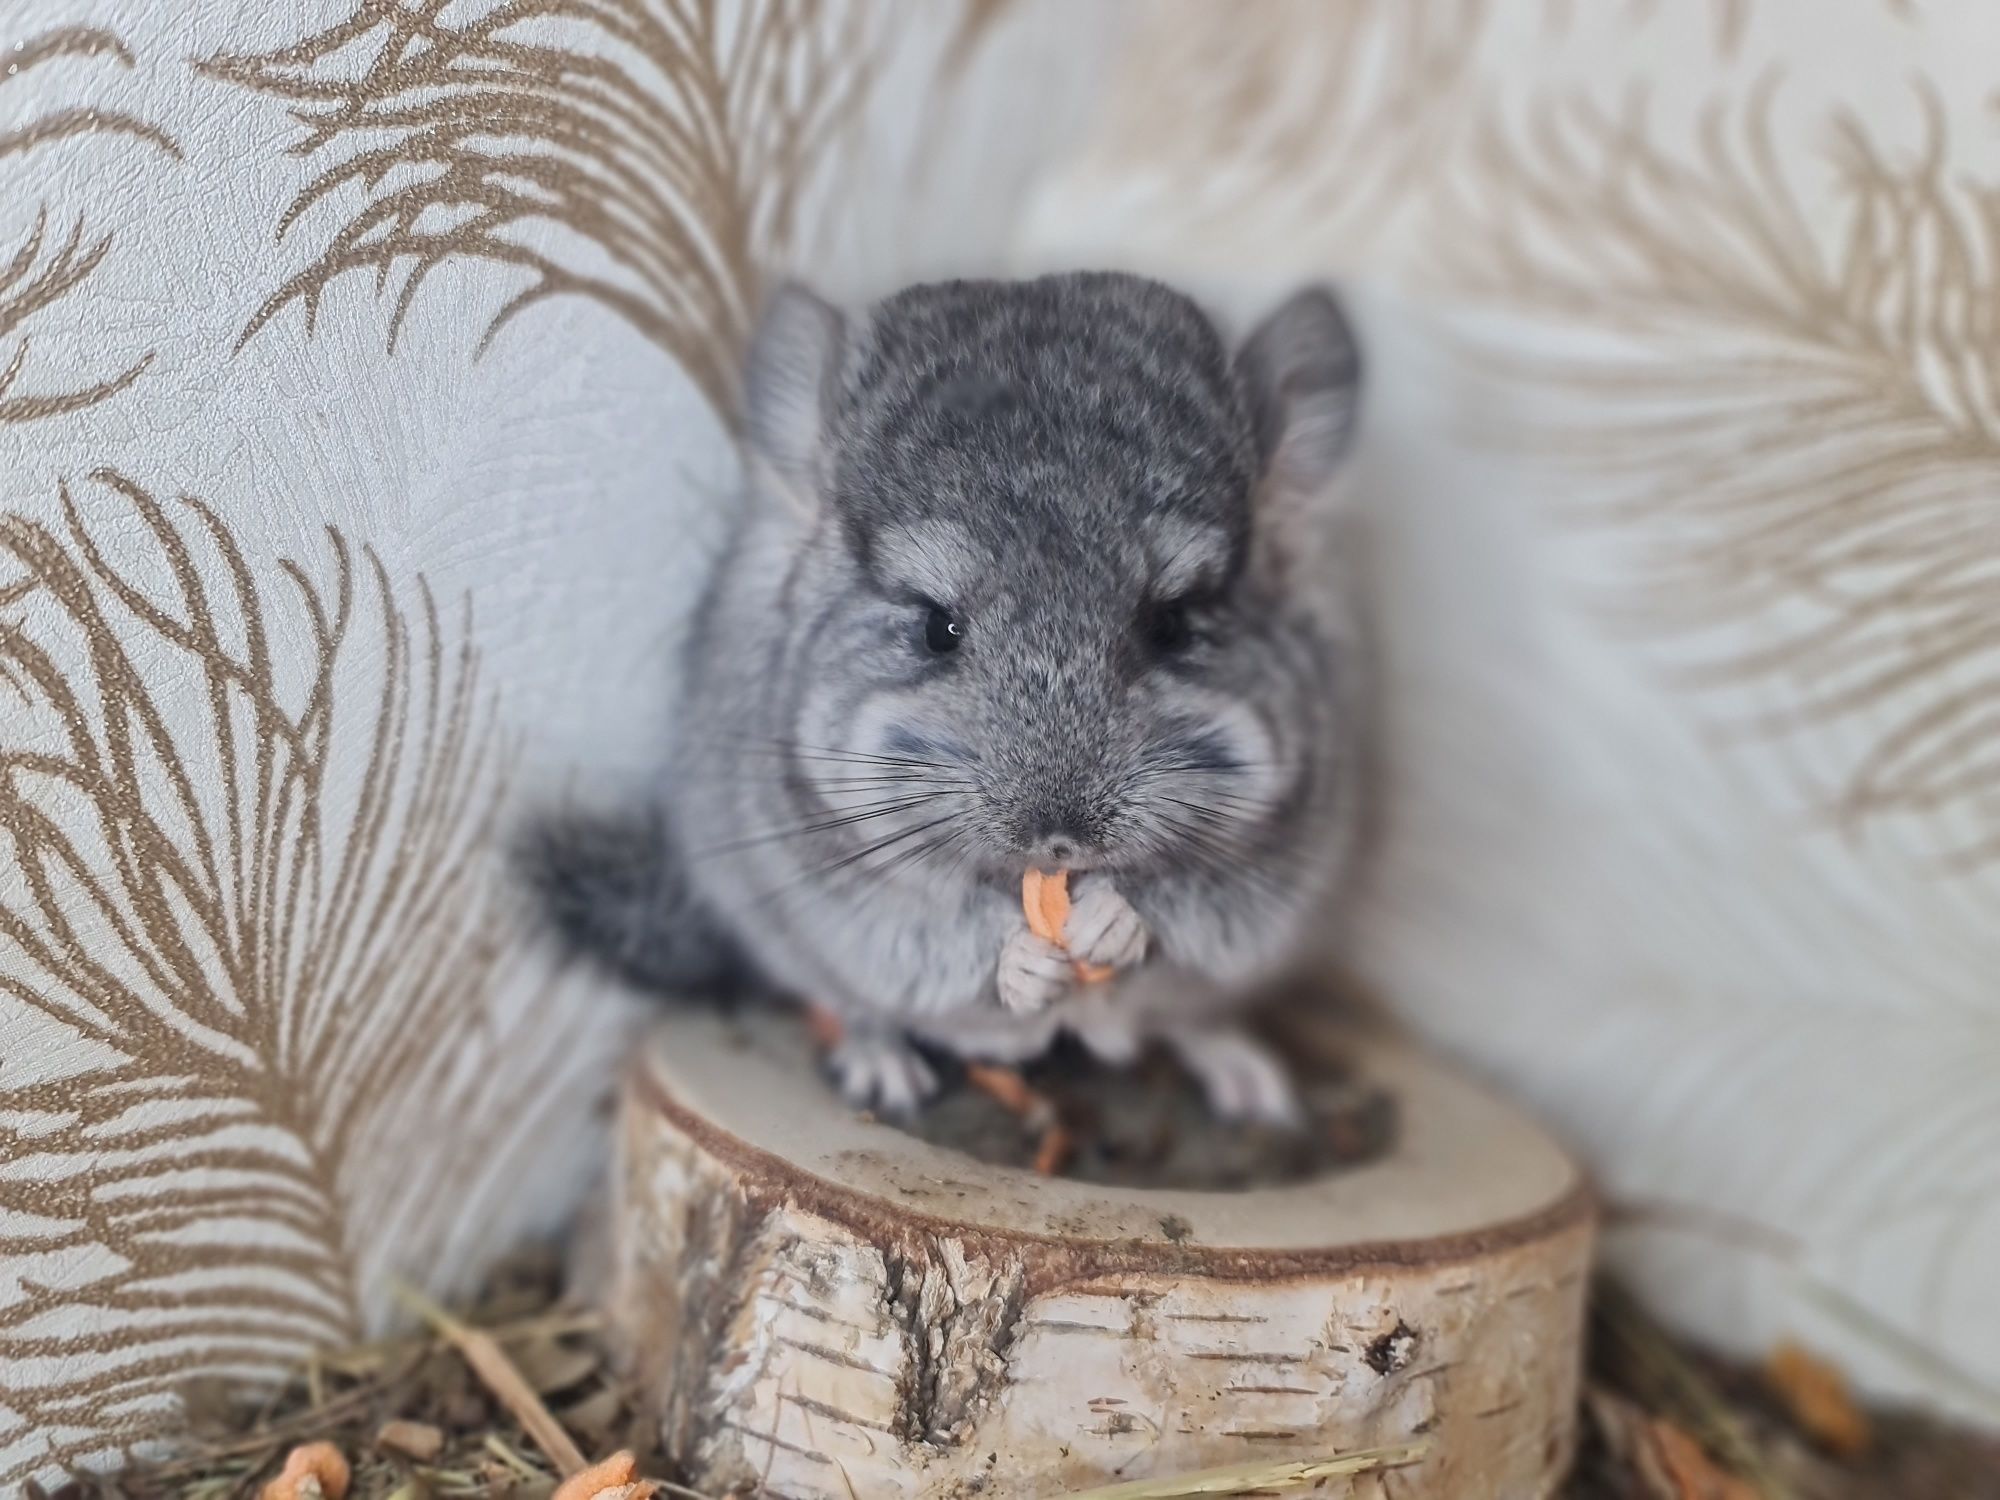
pixel 614 1479
pixel 1006 1087
pixel 1053 1154
pixel 1818 1398
pixel 1693 1474
pixel 313 1471
pixel 1045 903
pixel 1014 1094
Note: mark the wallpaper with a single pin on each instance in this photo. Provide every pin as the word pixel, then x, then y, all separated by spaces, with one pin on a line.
pixel 366 381
pixel 365 428
pixel 1683 492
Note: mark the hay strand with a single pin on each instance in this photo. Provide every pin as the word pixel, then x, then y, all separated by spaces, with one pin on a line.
pixel 483 1354
pixel 1259 1479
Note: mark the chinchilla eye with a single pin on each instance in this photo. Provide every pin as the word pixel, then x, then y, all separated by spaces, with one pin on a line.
pixel 942 632
pixel 1168 626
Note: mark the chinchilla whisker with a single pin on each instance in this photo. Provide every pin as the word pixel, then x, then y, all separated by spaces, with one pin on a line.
pixel 963 848
pixel 824 757
pixel 791 750
pixel 784 835
pixel 849 782
pixel 1191 859
pixel 834 867
pixel 847 861
pixel 957 846
pixel 1207 809
pixel 831 788
pixel 1222 859
pixel 821 825
pixel 1221 836
pixel 837 752
pixel 1225 818
pixel 910 858
pixel 1199 838
pixel 1148 774
pixel 1218 799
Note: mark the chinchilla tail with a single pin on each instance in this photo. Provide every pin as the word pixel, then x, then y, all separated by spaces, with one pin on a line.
pixel 617 890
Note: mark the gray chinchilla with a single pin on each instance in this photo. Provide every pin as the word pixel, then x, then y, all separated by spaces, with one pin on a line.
pixel 1025 574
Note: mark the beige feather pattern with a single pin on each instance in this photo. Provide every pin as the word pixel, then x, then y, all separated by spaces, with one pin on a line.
pixel 52 263
pixel 1319 116
pixel 1800 429
pixel 274 1032
pixel 652 155
pixel 249 941
pixel 1744 361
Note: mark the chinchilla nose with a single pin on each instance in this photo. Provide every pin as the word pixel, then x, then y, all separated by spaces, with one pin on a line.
pixel 1053 852
pixel 1062 840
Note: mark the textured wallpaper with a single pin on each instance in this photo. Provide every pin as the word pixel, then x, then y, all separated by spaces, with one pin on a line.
pixel 363 429
pixel 365 373
pixel 1684 465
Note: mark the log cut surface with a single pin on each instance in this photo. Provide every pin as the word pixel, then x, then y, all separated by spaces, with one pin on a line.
pixel 825 1306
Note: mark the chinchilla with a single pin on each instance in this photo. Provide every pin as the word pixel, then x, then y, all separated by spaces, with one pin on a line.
pixel 1025 574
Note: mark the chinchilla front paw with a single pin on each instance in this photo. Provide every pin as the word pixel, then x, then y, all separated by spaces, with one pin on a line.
pixel 1244 1081
pixel 1034 974
pixel 1103 929
pixel 882 1072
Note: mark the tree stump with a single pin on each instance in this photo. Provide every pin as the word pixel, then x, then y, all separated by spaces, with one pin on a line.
pixel 818 1305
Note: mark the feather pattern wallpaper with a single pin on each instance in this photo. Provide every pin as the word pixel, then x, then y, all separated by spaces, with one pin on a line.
pixel 365 409
pixel 366 378
pixel 1683 524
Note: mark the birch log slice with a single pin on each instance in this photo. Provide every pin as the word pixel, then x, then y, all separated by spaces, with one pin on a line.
pixel 820 1306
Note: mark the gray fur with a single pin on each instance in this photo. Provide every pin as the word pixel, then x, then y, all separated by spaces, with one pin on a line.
pixel 1042 458
pixel 618 889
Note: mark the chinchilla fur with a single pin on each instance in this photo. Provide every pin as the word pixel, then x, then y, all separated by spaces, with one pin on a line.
pixel 1024 573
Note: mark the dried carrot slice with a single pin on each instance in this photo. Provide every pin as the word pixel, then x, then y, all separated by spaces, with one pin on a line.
pixel 1006 1087
pixel 313 1471
pixel 614 1479
pixel 1014 1094
pixel 1053 1152
pixel 1045 903
pixel 1818 1398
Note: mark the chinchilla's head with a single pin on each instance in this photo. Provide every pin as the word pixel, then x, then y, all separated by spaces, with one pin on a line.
pixel 1046 606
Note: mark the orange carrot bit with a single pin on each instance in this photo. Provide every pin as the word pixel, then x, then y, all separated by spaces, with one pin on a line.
pixel 1045 903
pixel 1006 1087
pixel 824 1026
pixel 614 1479
pixel 1053 1154
pixel 1014 1094
pixel 1688 1468
pixel 1818 1397
pixel 313 1471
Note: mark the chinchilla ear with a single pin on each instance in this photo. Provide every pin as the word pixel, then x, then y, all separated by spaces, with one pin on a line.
pixel 792 359
pixel 1302 371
